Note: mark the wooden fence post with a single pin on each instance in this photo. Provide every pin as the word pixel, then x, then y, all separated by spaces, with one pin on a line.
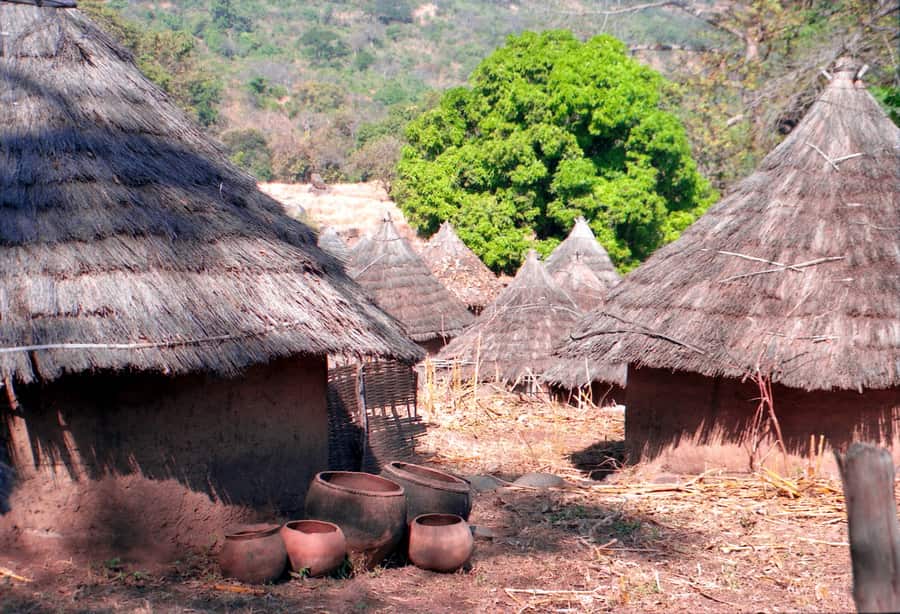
pixel 867 472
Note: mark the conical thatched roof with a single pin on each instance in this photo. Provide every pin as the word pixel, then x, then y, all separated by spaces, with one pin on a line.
pixel 581 284
pixel 581 240
pixel 515 335
pixel 459 269
pixel 359 249
pixel 796 271
pixel 331 242
pixel 402 284
pixel 127 240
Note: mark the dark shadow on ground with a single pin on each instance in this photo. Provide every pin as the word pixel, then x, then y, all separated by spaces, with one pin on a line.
pixel 529 522
pixel 600 459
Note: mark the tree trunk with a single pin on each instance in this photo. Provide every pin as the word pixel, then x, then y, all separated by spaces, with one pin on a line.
pixel 867 472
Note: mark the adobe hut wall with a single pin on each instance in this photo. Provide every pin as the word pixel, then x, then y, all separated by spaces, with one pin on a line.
pixel 145 466
pixel 686 422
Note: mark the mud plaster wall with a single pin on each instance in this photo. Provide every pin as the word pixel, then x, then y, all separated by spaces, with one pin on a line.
pixel 148 465
pixel 686 422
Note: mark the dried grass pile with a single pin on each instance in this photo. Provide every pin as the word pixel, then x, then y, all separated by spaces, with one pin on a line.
pixel 403 285
pixel 459 269
pixel 515 335
pixel 127 239
pixel 793 274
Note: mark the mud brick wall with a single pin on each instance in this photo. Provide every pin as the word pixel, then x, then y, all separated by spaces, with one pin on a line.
pixel 150 465
pixel 685 422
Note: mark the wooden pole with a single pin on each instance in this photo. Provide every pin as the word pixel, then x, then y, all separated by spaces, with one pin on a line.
pixel 867 472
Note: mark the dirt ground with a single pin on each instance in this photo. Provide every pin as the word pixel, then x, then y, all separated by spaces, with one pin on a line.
pixel 630 542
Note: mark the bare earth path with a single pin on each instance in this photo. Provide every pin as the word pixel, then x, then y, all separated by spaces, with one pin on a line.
pixel 672 543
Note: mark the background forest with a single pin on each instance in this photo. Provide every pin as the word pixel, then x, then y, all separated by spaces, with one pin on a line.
pixel 331 86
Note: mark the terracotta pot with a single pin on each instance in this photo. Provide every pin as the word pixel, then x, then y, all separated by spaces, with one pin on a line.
pixel 440 542
pixel 430 491
pixel 255 554
pixel 371 510
pixel 314 545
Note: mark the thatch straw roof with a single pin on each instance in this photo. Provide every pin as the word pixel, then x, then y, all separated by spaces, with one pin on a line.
pixel 515 335
pixel 459 269
pixel 402 284
pixel 129 242
pixel 331 242
pixel 796 272
pixel 581 284
pixel 581 240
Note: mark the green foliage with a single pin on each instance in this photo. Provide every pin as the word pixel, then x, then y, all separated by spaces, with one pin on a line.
pixel 889 97
pixel 166 57
pixel 387 11
pixel 363 60
pixel 225 16
pixel 250 150
pixel 323 45
pixel 550 129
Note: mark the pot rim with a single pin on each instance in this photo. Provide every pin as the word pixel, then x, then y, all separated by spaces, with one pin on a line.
pixel 244 534
pixel 454 518
pixel 398 492
pixel 454 484
pixel 310 521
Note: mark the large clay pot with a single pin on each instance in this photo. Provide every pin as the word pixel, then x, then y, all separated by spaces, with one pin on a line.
pixel 440 542
pixel 253 554
pixel 430 491
pixel 314 545
pixel 371 510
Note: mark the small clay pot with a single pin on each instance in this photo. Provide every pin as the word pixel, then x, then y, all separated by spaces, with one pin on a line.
pixel 370 509
pixel 314 545
pixel 254 555
pixel 430 491
pixel 440 542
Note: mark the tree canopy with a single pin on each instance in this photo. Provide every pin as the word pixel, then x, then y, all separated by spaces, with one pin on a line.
pixel 551 128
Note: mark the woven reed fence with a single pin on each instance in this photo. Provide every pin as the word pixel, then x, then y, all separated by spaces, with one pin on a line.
pixel 372 414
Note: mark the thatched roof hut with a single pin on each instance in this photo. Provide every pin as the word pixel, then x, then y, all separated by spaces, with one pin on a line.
pixel 515 335
pixel 581 240
pixel 127 239
pixel 793 275
pixel 459 269
pixel 403 285
pixel 140 274
pixel 331 242
pixel 581 283
pixel 795 271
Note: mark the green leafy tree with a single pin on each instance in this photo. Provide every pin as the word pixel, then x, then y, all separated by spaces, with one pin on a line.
pixel 323 45
pixel 387 11
pixel 166 57
pixel 250 150
pixel 552 128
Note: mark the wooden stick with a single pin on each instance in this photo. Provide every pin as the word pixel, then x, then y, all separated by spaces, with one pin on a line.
pixel 867 473
pixel 8 573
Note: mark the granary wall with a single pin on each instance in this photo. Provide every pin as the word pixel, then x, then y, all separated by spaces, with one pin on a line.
pixel 148 465
pixel 685 422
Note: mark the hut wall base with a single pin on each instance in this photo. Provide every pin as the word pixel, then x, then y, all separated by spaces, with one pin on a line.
pixel 146 466
pixel 687 423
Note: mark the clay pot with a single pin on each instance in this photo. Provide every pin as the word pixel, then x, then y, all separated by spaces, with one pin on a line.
pixel 440 542
pixel 371 510
pixel 430 491
pixel 314 545
pixel 253 554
